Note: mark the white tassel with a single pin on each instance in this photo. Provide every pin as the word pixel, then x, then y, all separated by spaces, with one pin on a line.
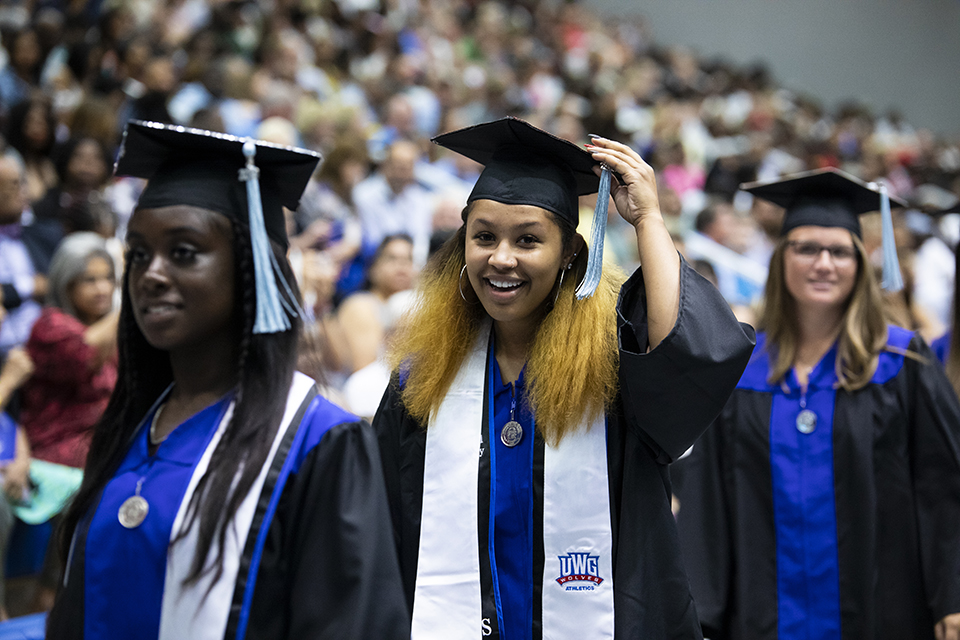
pixel 271 317
pixel 591 279
pixel 892 278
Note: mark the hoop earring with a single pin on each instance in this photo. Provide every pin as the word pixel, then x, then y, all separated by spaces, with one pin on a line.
pixel 460 283
pixel 559 286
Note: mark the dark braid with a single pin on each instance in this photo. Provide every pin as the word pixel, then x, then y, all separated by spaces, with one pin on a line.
pixel 265 364
pixel 248 287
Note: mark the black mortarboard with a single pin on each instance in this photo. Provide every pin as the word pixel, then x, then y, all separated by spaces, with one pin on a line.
pixel 524 165
pixel 199 168
pixel 832 198
pixel 243 179
pixel 935 200
pixel 823 198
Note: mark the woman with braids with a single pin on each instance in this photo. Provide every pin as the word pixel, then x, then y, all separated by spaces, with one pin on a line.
pixel 222 497
pixel 526 437
pixel 824 501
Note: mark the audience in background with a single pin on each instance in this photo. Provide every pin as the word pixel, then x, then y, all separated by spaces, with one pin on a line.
pixel 362 316
pixel 367 84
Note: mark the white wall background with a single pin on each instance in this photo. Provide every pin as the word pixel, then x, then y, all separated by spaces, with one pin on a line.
pixel 885 53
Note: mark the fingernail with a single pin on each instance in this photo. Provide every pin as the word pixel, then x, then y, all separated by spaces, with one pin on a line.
pixel 593 135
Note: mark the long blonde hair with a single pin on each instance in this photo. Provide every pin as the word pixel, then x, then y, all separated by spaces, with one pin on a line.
pixel 863 332
pixel 572 368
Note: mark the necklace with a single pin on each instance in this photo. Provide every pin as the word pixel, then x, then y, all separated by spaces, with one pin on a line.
pixel 153 427
pixel 806 419
pixel 512 432
pixel 134 509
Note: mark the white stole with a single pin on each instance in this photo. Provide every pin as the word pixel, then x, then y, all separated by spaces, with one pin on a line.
pixel 577 594
pixel 190 611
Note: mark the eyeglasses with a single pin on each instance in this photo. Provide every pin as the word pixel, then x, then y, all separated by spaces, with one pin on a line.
pixel 812 250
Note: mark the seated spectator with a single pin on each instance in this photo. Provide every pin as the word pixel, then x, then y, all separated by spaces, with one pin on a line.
pixel 362 315
pixel 739 278
pixel 14 452
pixel 25 251
pixel 22 72
pixel 391 201
pixel 364 389
pixel 83 165
pixel 73 347
pixel 326 219
pixel 31 132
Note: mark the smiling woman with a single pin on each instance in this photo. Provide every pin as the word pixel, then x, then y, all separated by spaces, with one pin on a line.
pixel 527 430
pixel 253 507
pixel 822 503
pixel 181 279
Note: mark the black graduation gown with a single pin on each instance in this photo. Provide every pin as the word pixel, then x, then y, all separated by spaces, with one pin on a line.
pixel 667 397
pixel 327 568
pixel 895 452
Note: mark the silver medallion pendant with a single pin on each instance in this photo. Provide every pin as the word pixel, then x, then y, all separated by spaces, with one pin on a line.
pixel 133 511
pixel 806 421
pixel 511 434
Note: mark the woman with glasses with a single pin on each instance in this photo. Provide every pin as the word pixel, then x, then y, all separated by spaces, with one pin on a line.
pixel 824 501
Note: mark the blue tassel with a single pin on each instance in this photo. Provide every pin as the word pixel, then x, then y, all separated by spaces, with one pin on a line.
pixel 595 259
pixel 892 279
pixel 271 317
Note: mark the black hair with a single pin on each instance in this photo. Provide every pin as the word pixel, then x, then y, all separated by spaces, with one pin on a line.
pixel 18 117
pixel 705 218
pixel 64 153
pixel 379 252
pixel 265 366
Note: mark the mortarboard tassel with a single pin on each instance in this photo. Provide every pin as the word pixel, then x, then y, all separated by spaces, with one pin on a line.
pixel 595 259
pixel 892 279
pixel 270 314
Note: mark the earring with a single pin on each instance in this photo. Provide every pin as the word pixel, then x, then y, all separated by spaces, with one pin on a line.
pixel 460 283
pixel 560 286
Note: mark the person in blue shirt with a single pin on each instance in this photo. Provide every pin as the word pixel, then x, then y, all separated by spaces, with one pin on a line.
pixel 222 497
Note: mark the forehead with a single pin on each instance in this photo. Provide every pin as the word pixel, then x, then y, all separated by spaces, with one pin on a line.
pixel 178 218
pixel 823 235
pixel 493 213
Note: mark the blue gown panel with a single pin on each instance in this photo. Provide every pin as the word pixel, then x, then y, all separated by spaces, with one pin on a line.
pixel 512 508
pixel 941 347
pixel 808 573
pixel 124 570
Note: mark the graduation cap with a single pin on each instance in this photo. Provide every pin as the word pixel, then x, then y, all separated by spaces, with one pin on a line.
pixel 935 200
pixel 524 165
pixel 240 178
pixel 832 198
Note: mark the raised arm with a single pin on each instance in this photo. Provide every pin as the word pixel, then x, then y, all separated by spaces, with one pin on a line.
pixel 637 203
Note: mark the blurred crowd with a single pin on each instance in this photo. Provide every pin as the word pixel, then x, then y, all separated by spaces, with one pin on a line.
pixel 367 83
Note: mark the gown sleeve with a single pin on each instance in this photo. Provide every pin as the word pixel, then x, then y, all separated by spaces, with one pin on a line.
pixel 402 450
pixel 671 393
pixel 935 464
pixel 329 568
pixel 705 531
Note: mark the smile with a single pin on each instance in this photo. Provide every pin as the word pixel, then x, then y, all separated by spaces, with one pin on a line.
pixel 503 285
pixel 159 309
